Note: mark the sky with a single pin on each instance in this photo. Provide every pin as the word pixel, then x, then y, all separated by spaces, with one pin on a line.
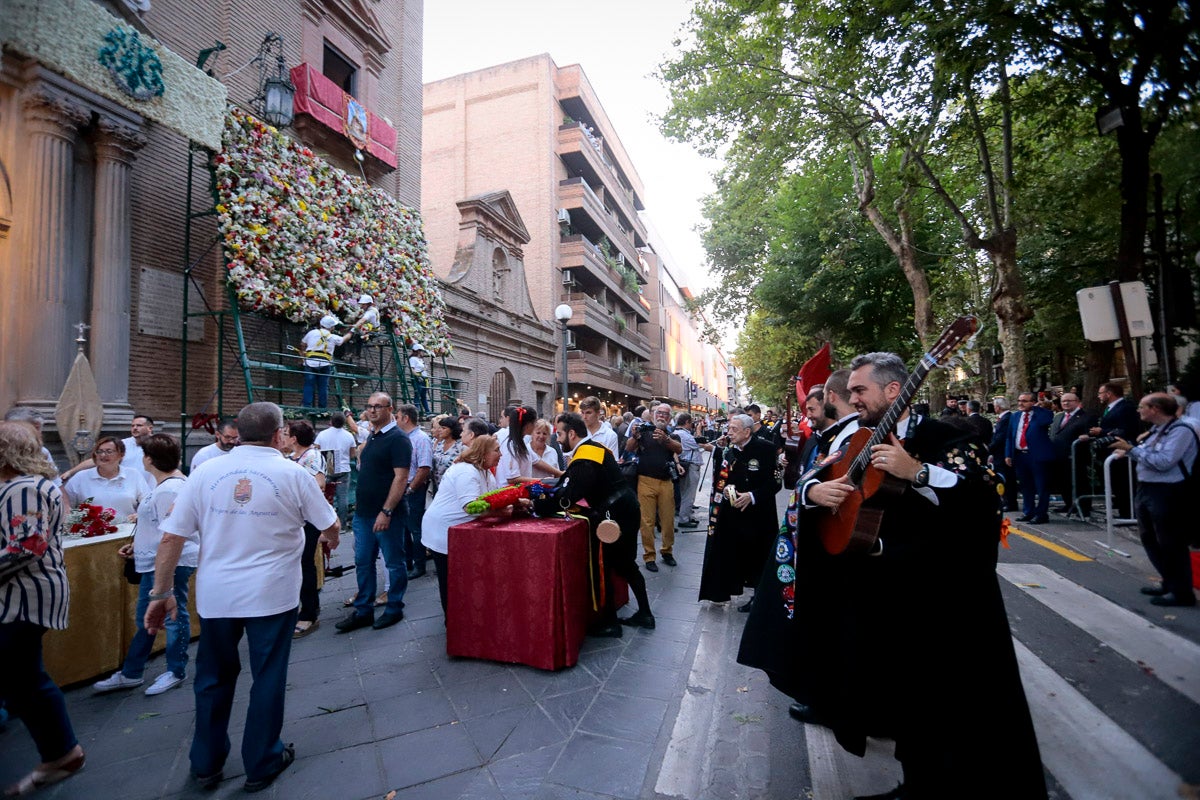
pixel 619 44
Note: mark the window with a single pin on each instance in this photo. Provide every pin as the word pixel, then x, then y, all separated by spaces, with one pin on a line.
pixel 340 69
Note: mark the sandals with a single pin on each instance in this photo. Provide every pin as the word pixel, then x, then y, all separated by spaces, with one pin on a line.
pixel 49 774
pixel 304 629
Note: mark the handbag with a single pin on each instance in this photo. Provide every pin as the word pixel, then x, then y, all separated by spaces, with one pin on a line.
pixel 129 569
pixel 629 470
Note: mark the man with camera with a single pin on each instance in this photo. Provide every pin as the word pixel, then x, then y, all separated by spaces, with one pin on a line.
pixel 655 449
pixel 1165 458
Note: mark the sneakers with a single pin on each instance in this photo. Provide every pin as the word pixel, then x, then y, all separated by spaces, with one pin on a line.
pixel 165 682
pixel 117 681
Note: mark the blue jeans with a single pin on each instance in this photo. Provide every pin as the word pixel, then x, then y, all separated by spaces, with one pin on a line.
pixel 179 630
pixel 421 390
pixel 367 545
pixel 415 504
pixel 29 692
pixel 341 495
pixel 317 377
pixel 217 668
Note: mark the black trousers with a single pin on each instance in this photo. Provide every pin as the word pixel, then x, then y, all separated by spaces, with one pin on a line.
pixel 1161 510
pixel 310 605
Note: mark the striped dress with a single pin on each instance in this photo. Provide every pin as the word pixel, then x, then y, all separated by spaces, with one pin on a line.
pixel 38 594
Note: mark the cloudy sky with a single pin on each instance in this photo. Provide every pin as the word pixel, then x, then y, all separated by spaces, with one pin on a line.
pixel 619 43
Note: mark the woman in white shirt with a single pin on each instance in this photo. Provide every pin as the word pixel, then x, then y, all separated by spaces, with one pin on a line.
pixel 465 480
pixel 543 457
pixel 516 461
pixel 447 447
pixel 298 445
pixel 108 484
pixel 160 456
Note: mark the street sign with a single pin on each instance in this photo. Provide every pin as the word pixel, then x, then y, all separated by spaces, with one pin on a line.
pixel 1099 316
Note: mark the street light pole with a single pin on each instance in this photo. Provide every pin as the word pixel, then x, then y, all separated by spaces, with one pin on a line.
pixel 563 314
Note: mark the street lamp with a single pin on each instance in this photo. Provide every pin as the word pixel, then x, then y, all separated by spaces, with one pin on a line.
pixel 275 90
pixel 563 314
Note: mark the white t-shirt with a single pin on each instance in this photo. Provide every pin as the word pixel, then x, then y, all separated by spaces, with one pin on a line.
pixel 461 484
pixel 417 365
pixel 607 437
pixel 151 513
pixel 319 340
pixel 369 320
pixel 549 457
pixel 208 451
pixel 122 493
pixel 132 460
pixel 513 466
pixel 340 441
pixel 247 511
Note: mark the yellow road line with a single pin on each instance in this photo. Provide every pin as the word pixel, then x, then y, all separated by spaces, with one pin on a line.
pixel 1049 545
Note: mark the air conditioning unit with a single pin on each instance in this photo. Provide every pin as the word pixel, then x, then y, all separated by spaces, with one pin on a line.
pixel 621 258
pixel 564 216
pixel 568 277
pixel 571 339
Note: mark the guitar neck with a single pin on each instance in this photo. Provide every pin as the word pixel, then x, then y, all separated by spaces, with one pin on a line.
pixel 888 424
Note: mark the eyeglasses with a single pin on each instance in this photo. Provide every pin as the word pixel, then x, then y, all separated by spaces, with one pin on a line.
pixel 106 452
pixel 374 407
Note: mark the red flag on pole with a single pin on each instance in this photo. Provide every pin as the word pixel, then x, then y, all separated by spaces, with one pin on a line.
pixel 815 371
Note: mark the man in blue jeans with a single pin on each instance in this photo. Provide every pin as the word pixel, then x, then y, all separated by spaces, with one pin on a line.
pixel 383 465
pixel 247 511
pixel 418 487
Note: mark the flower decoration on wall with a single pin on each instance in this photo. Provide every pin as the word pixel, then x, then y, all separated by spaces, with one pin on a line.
pixel 304 239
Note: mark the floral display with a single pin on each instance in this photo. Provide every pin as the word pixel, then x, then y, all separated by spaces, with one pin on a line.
pixel 90 520
pixel 304 239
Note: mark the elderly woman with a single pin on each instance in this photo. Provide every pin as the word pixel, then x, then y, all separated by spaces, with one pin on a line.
pixel 33 599
pixel 447 447
pixel 467 479
pixel 160 455
pixel 109 484
pixel 471 428
pixel 543 457
pixel 298 442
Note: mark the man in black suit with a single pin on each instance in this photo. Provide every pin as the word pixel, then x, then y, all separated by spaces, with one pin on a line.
pixel 978 422
pixel 1073 422
pixel 1118 417
pixel 997 447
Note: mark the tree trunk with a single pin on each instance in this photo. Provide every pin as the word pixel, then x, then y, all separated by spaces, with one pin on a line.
pixel 1011 310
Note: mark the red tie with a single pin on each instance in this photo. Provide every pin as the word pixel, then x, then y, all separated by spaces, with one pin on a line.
pixel 1021 443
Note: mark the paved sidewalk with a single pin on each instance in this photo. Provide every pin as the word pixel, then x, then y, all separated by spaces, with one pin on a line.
pixel 376 711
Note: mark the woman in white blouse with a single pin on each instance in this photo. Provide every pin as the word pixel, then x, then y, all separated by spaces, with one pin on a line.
pixel 108 484
pixel 516 462
pixel 543 457
pixel 465 480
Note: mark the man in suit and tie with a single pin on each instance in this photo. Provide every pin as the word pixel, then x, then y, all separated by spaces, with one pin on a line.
pixel 997 449
pixel 1030 453
pixel 1068 426
pixel 978 421
pixel 1118 417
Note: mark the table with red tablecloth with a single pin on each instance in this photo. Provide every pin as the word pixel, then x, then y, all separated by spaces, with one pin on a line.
pixel 519 590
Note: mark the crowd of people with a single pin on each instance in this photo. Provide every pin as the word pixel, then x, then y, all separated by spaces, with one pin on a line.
pixel 263 498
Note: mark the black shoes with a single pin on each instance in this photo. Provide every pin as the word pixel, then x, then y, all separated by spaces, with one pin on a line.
pixel 416 572
pixel 1040 520
pixel 692 524
pixel 1153 591
pixel 387 620
pixel 651 566
pixel 286 759
pixel 669 559
pixel 746 606
pixel 209 781
pixel 1172 599
pixel 803 713
pixel 612 631
pixel 640 619
pixel 1024 518
pixel 354 622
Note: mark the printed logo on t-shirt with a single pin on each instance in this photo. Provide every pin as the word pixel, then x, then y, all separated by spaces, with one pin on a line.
pixel 243 491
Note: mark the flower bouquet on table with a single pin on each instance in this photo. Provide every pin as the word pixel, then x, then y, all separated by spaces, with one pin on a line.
pixel 26 542
pixel 506 496
pixel 90 520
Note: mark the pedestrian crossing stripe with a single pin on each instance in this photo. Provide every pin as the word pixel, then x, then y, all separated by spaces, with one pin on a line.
pixel 1049 545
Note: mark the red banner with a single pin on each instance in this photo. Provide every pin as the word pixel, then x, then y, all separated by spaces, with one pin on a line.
pixel 814 372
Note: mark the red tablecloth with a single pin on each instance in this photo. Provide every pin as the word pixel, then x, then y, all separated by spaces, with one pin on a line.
pixel 519 590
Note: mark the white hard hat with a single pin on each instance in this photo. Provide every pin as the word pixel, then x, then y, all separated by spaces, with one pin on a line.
pixel 329 321
pixel 366 298
pixel 418 346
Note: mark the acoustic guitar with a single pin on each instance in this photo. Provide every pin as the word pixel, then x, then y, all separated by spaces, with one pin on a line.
pixel 854 526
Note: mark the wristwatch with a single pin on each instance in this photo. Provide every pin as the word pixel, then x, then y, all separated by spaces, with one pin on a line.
pixel 387 512
pixel 922 477
pixel 163 596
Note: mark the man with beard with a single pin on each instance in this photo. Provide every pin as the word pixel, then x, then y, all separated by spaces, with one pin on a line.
pixel 742 519
pixel 911 640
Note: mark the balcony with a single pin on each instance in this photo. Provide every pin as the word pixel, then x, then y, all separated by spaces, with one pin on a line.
pixel 590 269
pixel 592 219
pixel 594 316
pixel 584 154
pixel 593 370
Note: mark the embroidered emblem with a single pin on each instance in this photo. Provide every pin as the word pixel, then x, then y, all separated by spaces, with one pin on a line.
pixel 243 491
pixel 784 550
pixel 752 465
pixel 785 573
pixel 133 64
pixel 836 455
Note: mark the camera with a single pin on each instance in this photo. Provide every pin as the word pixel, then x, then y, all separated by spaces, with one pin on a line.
pixel 1103 441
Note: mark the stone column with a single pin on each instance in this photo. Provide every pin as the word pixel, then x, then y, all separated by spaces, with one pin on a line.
pixel 116 145
pixel 51 123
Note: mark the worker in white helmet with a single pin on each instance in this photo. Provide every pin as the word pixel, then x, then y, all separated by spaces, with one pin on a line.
pixel 365 324
pixel 318 346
